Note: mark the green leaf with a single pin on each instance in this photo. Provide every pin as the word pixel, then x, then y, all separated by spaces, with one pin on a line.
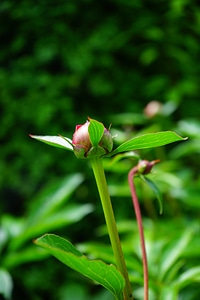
pixel 168 292
pixel 53 197
pixel 152 185
pixel 148 140
pixel 26 255
pixel 106 275
pixel 189 276
pixel 50 210
pixel 6 284
pixel 172 254
pixel 55 141
pixel 69 215
pixel 96 130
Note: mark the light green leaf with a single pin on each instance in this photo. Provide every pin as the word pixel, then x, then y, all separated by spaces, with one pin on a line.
pixel 148 140
pixel 55 141
pixel 106 275
pixel 189 276
pixel 168 292
pixel 172 254
pixel 53 197
pixel 6 284
pixel 50 209
pixel 69 215
pixel 96 130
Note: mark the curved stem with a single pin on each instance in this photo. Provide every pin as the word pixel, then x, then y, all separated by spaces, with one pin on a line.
pixel 99 174
pixel 140 228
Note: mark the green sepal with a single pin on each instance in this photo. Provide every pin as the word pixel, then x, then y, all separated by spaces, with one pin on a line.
pixel 96 151
pixel 96 130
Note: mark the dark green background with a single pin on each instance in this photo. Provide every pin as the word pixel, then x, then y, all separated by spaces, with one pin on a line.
pixel 61 61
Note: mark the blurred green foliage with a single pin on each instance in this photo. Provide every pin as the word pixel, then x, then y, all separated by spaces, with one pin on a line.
pixel 61 61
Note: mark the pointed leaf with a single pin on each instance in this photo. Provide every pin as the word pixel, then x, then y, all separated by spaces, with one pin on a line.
pixel 106 275
pixel 172 254
pixel 6 284
pixel 96 130
pixel 60 219
pixel 189 276
pixel 53 197
pixel 28 254
pixel 55 141
pixel 152 185
pixel 148 140
pixel 168 291
pixel 48 206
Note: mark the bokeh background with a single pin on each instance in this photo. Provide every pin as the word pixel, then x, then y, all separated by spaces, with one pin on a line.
pixel 132 64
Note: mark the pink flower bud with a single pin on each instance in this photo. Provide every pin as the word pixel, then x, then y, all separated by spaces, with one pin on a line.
pixel 83 147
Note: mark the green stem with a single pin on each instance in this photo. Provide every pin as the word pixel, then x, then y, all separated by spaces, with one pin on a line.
pixel 99 174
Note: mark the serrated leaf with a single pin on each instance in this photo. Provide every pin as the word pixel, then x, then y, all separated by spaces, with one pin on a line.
pixel 96 130
pixel 148 140
pixel 106 275
pixel 55 141
pixel 155 189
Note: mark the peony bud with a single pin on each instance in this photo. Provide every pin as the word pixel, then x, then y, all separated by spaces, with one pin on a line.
pixel 145 166
pixel 82 144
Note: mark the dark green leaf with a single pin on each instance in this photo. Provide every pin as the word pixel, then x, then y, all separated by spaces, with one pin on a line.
pixel 189 276
pixel 26 255
pixel 156 191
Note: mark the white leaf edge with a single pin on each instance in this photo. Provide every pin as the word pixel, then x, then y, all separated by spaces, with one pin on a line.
pixel 57 141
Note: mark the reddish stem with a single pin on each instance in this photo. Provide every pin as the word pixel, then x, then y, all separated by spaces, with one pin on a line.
pixel 131 175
